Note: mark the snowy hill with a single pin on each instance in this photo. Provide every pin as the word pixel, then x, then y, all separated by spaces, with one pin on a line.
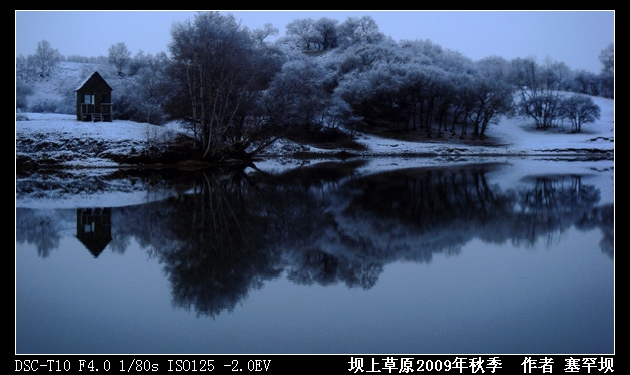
pixel 57 90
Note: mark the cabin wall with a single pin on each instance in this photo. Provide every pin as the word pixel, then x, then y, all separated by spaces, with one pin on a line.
pixel 102 94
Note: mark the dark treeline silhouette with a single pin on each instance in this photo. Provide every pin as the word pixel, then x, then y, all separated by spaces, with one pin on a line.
pixel 238 92
pixel 224 233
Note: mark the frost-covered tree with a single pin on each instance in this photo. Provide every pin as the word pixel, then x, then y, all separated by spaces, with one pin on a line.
pixel 432 52
pixel 261 34
pixel 22 91
pixel 607 58
pixel 586 82
pixel 25 68
pixel 607 76
pixel 492 93
pixel 309 34
pixel 327 35
pixel 362 56
pixel 145 89
pixel 302 31
pixel 464 102
pixel 300 97
pixel 119 55
pixel 418 85
pixel 580 110
pixel 46 58
pixel 539 88
pixel 219 75
pixel 359 30
pixel 369 80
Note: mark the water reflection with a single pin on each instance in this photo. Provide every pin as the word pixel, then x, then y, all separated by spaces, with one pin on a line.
pixel 94 228
pixel 225 234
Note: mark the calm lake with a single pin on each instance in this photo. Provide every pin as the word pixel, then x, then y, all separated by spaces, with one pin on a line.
pixel 348 257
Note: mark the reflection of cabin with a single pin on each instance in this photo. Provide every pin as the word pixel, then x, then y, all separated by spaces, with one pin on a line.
pixel 94 228
pixel 94 98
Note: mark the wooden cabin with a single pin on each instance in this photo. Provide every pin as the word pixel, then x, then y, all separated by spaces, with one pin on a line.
pixel 94 99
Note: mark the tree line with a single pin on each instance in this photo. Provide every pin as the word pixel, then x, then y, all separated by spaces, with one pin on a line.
pixel 238 93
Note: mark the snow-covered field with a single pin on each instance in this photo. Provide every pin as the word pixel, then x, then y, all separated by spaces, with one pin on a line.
pixel 62 138
pixel 516 137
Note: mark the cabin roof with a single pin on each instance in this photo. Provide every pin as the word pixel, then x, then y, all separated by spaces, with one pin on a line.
pixel 93 75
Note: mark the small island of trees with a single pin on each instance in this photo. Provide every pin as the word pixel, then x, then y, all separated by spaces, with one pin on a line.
pixel 238 93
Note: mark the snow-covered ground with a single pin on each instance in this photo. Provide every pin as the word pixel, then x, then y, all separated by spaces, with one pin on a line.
pixel 58 137
pixel 516 137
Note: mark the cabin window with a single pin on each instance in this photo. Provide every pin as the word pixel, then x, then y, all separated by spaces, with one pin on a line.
pixel 88 99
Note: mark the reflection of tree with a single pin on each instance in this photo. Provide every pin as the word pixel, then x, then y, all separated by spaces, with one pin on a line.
pixel 216 245
pixel 425 210
pixel 119 242
pixel 40 228
pixel 230 231
pixel 322 268
pixel 552 206
pixel 317 266
pixel 604 218
pixel 45 227
pixel 302 205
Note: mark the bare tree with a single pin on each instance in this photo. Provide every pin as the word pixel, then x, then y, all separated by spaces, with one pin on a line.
pixel 25 68
pixel 220 74
pixel 46 58
pixel 120 56
pixel 580 110
pixel 539 86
